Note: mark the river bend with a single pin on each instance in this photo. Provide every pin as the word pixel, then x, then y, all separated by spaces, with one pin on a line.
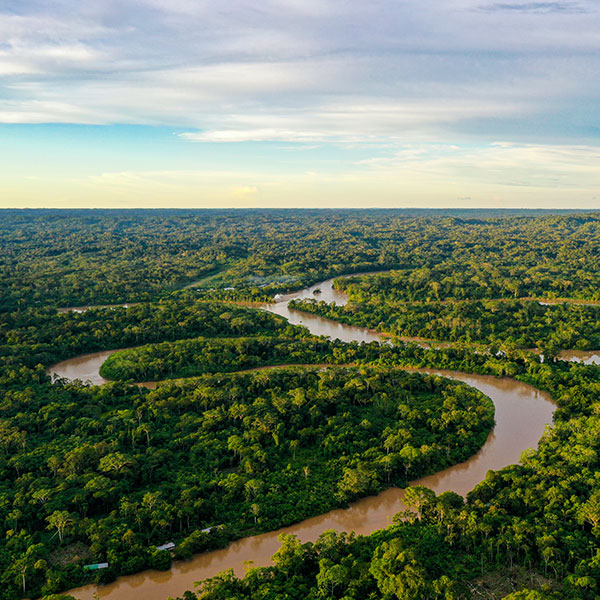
pixel 522 414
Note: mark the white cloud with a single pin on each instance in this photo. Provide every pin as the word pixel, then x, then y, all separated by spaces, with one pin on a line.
pixel 301 70
pixel 503 164
pixel 368 121
pixel 44 111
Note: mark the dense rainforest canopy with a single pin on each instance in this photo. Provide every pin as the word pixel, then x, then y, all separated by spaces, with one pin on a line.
pixel 70 258
pixel 533 524
pixel 187 358
pixel 107 473
pixel 520 323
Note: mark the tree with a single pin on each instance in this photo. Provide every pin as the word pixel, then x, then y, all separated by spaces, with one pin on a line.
pixel 252 488
pixel 356 482
pixel 115 462
pixel 294 444
pixel 290 556
pixel 420 498
pixel 26 563
pixel 61 520
pixel 235 444
pixel 590 511
pixel 398 572
pixel 330 576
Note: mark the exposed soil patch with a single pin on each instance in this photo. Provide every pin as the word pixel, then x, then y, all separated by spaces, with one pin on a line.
pixel 70 554
pixel 496 585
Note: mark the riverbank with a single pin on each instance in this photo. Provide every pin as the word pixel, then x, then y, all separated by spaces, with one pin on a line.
pixel 522 414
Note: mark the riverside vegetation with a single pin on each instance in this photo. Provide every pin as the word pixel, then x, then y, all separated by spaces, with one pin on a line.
pixel 95 472
pixel 536 522
pixel 117 470
pixel 518 323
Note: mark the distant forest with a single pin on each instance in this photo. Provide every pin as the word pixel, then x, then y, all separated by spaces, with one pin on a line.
pixel 231 445
pixel 69 258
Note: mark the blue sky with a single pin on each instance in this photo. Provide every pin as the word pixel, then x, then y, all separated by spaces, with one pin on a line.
pixel 299 103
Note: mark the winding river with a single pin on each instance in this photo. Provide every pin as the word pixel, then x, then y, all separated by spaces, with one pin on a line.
pixel 522 414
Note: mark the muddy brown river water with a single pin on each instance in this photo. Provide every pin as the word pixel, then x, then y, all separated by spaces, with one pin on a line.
pixel 522 414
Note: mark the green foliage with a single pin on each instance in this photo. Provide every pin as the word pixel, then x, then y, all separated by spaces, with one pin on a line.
pixel 117 470
pixel 519 323
pixel 121 469
pixel 530 595
pixel 188 358
pixel 72 258
pixel 486 276
pixel 41 335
